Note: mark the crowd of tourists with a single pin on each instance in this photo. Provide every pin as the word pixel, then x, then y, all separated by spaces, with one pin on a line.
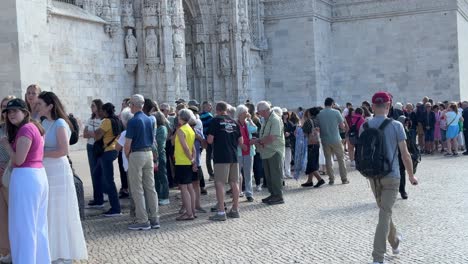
pixel 159 147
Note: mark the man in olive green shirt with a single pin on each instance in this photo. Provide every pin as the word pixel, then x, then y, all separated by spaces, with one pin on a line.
pixel 270 145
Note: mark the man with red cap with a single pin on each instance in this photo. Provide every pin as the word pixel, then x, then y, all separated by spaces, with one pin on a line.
pixel 385 189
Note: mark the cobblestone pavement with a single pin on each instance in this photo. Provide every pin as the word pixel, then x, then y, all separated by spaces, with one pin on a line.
pixel 333 224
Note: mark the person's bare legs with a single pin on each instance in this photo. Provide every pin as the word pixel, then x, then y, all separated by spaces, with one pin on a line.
pixel 186 199
pixel 310 178
pixel 454 145
pixel 196 190
pixel 316 174
pixel 220 195
pixel 241 178
pixel 192 197
pixel 350 150
pixel 449 146
pixel 235 196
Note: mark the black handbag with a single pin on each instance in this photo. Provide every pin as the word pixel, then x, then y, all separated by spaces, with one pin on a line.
pixel 98 147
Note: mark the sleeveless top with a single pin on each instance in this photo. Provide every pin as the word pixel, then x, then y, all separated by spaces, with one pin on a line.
pixel 179 154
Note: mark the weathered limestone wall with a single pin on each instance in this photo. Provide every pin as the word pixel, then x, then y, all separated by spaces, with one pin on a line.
pixel 256 89
pixel 462 19
pixel 290 62
pixel 408 55
pixel 85 62
pixel 323 60
pixel 23 45
pixel 9 50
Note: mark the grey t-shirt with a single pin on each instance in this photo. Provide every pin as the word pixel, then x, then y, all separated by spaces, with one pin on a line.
pixel 394 134
pixel 328 121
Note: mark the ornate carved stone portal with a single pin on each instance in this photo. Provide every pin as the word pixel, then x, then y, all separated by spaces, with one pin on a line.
pixel 186 49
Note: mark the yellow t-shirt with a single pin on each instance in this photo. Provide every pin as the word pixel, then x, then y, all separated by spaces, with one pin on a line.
pixel 106 127
pixel 179 154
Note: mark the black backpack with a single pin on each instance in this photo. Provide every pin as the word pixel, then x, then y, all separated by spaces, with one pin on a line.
pixel 75 130
pixel 371 152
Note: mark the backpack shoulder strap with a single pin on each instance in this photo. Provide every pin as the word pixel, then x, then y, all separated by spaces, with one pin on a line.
pixel 365 125
pixel 385 123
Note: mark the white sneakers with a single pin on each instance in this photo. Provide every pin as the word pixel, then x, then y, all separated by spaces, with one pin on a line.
pixel 353 164
pixel 258 188
pixel 396 250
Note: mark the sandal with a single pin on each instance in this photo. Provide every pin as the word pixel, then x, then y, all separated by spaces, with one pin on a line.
pixel 185 217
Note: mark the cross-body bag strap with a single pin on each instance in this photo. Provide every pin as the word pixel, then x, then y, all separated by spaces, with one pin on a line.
pixel 453 120
pixel 381 127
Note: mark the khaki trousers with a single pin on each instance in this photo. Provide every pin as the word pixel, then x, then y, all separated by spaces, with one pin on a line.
pixel 4 239
pixel 141 183
pixel 337 149
pixel 385 191
pixel 273 168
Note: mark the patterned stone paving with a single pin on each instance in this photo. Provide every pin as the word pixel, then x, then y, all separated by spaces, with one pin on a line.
pixel 333 224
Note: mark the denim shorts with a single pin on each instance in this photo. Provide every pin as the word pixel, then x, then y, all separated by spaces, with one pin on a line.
pixel 429 135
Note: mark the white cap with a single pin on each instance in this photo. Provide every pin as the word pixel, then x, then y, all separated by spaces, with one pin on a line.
pixel 284 110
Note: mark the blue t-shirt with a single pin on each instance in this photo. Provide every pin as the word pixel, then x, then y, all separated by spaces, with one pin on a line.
pixel 394 134
pixel 140 129
pixel 50 137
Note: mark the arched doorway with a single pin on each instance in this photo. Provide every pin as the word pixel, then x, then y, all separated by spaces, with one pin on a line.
pixel 196 53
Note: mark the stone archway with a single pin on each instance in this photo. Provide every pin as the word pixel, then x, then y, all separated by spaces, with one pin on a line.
pixel 196 51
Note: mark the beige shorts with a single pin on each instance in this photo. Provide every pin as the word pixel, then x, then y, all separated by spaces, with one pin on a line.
pixel 226 172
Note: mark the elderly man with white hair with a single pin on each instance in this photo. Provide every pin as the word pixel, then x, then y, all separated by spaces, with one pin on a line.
pixel 271 145
pixel 138 149
pixel 247 128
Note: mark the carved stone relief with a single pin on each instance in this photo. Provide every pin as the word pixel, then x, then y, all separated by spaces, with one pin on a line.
pixel 200 60
pixel 151 44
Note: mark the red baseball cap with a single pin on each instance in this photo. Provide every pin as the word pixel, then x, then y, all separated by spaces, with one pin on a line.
pixel 381 98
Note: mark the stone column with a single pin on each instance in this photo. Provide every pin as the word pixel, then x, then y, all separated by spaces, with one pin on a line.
pixel 167 59
pixel 25 46
pixel 180 71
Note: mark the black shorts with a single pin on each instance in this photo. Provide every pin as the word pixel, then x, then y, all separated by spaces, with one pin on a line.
pixel 183 174
pixel 312 158
pixel 196 174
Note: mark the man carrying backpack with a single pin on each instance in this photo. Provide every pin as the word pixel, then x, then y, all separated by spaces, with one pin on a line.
pixel 377 159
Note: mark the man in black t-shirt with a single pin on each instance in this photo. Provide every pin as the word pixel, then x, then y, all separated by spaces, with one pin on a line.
pixel 224 134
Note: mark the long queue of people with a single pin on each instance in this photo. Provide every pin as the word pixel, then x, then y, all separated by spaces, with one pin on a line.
pixel 159 147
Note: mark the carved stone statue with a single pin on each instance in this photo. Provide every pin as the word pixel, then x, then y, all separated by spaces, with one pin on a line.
pixel 106 10
pixel 131 45
pixel 223 28
pixel 151 43
pixel 127 15
pixel 245 58
pixel 179 44
pixel 199 60
pixel 225 60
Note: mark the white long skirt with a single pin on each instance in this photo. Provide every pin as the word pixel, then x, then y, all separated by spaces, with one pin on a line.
pixel 27 216
pixel 66 238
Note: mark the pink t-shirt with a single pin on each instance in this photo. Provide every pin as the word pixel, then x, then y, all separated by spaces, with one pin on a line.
pixel 36 152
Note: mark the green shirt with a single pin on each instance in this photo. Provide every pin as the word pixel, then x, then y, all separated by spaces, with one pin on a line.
pixel 329 121
pixel 273 127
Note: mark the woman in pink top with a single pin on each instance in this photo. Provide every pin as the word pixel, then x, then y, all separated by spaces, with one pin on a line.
pixel 355 120
pixel 28 197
